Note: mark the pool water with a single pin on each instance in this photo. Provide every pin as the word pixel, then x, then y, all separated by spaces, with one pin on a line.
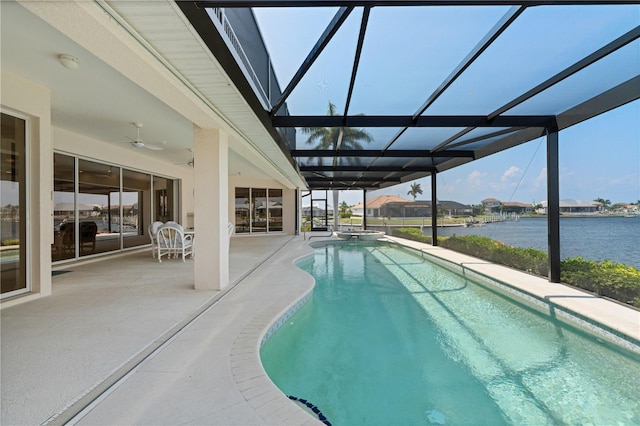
pixel 391 339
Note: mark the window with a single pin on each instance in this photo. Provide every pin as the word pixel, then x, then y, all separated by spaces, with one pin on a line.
pixel 164 199
pixel 103 207
pixel 136 206
pixel 98 208
pixel 243 217
pixel 64 211
pixel 258 210
pixel 275 210
pixel 13 212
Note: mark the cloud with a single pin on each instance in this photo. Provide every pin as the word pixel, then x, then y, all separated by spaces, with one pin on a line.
pixel 476 178
pixel 510 173
pixel 541 179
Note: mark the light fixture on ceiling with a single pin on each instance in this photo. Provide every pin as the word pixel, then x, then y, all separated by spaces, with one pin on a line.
pixel 69 61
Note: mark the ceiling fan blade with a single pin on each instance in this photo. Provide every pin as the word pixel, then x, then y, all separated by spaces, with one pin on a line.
pixel 138 142
pixel 153 147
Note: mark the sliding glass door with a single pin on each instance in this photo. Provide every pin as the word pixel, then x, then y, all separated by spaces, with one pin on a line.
pixel 258 210
pixel 136 206
pixel 165 201
pixel 64 210
pixel 101 208
pixel 13 211
pixel 243 216
pixel 99 221
pixel 275 210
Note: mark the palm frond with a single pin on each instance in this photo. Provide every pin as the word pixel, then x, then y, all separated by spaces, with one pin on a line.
pixel 326 138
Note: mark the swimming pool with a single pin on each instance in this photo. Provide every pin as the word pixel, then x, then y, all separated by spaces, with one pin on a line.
pixel 390 338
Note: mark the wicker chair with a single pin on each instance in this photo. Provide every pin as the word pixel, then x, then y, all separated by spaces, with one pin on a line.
pixel 172 242
pixel 153 232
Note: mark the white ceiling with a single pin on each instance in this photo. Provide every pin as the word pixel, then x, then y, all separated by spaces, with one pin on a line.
pixel 98 101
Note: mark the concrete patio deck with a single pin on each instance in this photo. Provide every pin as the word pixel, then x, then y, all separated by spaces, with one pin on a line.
pixel 128 340
pixel 128 316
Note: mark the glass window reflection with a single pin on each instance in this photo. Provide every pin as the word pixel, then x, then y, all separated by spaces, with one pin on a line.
pixel 99 211
pixel 275 210
pixel 13 211
pixel 136 204
pixel 64 201
pixel 258 210
pixel 111 209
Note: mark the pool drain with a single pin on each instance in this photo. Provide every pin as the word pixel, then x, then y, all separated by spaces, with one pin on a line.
pixel 315 410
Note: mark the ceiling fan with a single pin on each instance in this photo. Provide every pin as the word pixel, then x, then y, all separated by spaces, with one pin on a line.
pixel 139 143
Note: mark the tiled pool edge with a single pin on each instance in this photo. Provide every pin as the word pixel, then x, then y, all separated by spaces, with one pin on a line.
pixel 285 316
pixel 291 309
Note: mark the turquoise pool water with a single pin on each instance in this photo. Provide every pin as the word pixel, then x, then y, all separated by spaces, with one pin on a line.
pixel 391 339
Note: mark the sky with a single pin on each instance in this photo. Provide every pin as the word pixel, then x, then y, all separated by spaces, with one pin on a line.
pixel 599 158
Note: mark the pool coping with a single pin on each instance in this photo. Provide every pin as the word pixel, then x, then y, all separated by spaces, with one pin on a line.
pixel 252 381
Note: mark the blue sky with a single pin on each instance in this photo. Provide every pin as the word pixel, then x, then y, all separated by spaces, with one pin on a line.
pixel 598 158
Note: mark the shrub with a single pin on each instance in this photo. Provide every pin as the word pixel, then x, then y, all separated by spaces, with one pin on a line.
pixel 611 279
pixel 413 234
pixel 525 259
pixel 606 278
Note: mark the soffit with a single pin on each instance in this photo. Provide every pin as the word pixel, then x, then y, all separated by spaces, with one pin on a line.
pixel 120 82
pixel 162 27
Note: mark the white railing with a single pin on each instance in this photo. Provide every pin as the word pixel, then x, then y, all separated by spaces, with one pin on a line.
pixel 224 28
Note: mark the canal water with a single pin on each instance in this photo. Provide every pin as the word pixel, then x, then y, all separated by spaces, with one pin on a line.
pixel 613 238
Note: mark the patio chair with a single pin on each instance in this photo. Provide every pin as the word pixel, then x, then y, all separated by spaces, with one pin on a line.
pixel 153 231
pixel 65 240
pixel 173 242
pixel 88 231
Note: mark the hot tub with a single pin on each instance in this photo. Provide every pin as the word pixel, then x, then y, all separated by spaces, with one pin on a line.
pixel 360 235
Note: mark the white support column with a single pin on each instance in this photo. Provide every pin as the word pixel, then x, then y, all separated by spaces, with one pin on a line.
pixel 211 186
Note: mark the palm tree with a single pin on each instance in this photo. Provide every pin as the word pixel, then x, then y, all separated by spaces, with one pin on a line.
pixel 334 138
pixel 415 190
pixel 605 203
